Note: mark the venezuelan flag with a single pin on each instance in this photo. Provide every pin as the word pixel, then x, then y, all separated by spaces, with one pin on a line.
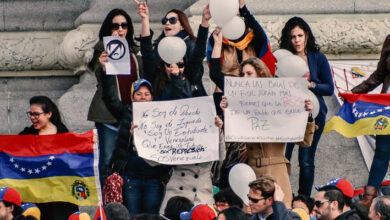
pixel 361 114
pixel 50 168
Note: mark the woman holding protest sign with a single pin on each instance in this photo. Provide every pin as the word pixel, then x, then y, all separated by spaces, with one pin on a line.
pixel 117 23
pixel 46 119
pixel 298 38
pixel 175 24
pixel 143 188
pixel 264 158
pixel 173 81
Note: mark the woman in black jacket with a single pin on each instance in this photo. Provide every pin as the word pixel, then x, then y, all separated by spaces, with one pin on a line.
pixel 187 74
pixel 143 188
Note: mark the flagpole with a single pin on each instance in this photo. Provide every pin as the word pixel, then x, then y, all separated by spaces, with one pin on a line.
pixel 96 168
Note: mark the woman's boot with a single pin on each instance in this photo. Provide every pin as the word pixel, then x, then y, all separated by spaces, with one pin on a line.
pixel 370 192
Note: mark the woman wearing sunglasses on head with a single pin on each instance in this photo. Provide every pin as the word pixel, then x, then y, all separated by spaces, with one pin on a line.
pixel 46 119
pixel 187 73
pixel 117 23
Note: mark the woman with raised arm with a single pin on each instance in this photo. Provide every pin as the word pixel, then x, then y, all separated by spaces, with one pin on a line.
pixel 298 39
pixel 175 23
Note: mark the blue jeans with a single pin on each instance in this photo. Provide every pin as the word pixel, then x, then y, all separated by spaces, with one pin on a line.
pixel 107 143
pixel 380 162
pixel 306 157
pixel 142 195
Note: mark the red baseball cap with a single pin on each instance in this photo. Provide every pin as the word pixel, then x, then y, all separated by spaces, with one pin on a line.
pixel 10 195
pixel 342 184
pixel 199 212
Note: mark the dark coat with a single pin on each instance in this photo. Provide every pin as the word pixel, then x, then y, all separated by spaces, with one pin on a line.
pixel 191 76
pixel 279 213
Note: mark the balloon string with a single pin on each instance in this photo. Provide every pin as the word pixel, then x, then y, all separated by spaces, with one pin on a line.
pixel 334 80
pixel 346 80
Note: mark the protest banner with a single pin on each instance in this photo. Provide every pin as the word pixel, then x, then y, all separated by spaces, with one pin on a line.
pixel 51 168
pixel 118 56
pixel 265 109
pixel 176 132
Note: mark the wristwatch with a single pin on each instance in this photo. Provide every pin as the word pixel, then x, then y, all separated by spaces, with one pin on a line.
pixel 312 85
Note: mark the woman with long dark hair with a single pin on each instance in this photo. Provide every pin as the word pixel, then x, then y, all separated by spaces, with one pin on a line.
pixel 46 120
pixel 117 23
pixel 187 73
pixel 298 38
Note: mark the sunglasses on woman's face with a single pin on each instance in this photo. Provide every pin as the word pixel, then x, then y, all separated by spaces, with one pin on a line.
pixel 172 20
pixel 115 26
pixel 179 64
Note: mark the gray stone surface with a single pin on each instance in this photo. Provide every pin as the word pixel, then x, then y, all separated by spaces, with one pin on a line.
pixel 25 15
pixel 16 92
pixel 157 9
pixel 283 7
pixel 74 103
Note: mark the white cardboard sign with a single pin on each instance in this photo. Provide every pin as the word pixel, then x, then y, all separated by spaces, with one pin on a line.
pixel 118 56
pixel 176 132
pixel 265 109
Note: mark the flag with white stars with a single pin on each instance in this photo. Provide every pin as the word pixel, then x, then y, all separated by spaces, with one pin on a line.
pixel 361 114
pixel 49 168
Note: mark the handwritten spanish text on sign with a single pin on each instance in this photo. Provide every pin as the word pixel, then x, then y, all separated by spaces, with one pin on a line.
pixel 176 132
pixel 265 109
pixel 118 56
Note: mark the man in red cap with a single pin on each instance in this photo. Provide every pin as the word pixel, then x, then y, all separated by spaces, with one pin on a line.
pixel 10 202
pixel 346 188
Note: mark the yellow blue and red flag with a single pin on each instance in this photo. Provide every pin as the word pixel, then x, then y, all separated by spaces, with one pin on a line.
pixel 361 114
pixel 50 168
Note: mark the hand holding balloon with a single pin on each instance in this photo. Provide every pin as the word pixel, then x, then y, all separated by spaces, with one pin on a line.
pixel 206 16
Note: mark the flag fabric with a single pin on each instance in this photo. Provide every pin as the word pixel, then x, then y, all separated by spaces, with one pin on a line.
pixel 361 114
pixel 51 168
pixel 100 215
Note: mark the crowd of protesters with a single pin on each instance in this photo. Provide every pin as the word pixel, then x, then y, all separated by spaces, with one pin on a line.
pixel 201 191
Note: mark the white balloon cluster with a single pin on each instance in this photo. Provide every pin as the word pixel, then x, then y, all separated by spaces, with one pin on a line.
pixel 290 65
pixel 171 49
pixel 224 14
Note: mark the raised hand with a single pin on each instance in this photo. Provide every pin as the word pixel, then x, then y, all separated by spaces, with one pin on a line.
pixel 206 16
pixel 143 10
pixel 278 194
pixel 218 123
pixel 217 35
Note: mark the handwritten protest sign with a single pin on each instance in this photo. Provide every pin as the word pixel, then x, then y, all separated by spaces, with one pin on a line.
pixel 265 109
pixel 176 132
pixel 118 56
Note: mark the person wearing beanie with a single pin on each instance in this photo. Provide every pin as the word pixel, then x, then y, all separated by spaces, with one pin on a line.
pixel 10 202
pixel 30 209
pixel 79 216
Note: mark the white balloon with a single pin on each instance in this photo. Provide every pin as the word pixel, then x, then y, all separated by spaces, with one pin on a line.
pixel 279 54
pixel 222 11
pixel 291 66
pixel 171 49
pixel 316 104
pixel 234 29
pixel 239 178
